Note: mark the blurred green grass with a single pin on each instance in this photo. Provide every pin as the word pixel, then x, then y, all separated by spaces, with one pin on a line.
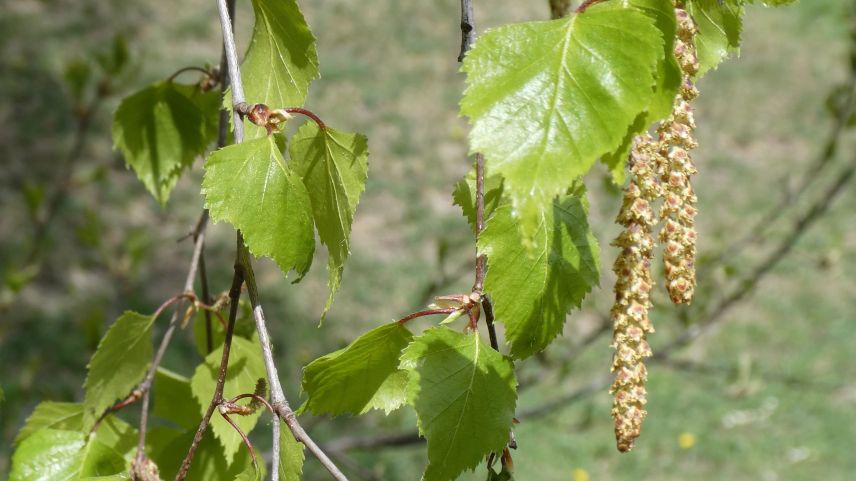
pixel 778 400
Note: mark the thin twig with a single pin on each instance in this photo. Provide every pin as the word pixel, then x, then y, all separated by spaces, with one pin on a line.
pixel 307 113
pixel 244 437
pixel 189 69
pixel 217 397
pixel 206 298
pixel 468 28
pixel 146 384
pixel 279 401
pixel 428 312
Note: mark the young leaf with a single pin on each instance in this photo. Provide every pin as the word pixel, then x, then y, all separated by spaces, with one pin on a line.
pixel 250 186
pixel 533 292
pixel 161 129
pixel 668 77
pixel 464 394
pixel 333 167
pixel 173 399
pixel 281 60
pixel 119 363
pixel 52 454
pixel 245 368
pixel 53 415
pixel 360 377
pixel 720 25
pixel 546 99
pixel 291 455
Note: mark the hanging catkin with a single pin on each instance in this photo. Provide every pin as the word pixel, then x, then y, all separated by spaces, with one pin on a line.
pixel 632 289
pixel 659 168
pixel 678 233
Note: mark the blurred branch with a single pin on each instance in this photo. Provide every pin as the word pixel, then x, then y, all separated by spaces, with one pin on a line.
pixel 83 118
pixel 844 111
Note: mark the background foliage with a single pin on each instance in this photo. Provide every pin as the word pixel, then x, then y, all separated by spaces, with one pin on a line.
pixel 767 395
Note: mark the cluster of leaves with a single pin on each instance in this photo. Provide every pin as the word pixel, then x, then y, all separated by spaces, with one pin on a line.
pixel 274 194
pixel 276 201
pixel 546 100
pixel 67 441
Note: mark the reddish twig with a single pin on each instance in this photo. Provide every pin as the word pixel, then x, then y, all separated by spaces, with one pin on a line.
pixel 307 113
pixel 253 396
pixel 428 312
pixel 146 384
pixel 208 73
pixel 588 3
pixel 243 437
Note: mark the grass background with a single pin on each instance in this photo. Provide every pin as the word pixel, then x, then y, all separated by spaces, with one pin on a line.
pixel 775 397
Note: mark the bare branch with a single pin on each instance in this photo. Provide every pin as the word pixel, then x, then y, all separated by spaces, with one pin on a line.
pixel 217 397
pixel 146 384
pixel 468 28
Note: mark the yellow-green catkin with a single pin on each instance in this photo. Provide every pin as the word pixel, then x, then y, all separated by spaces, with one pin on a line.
pixel 633 286
pixel 678 210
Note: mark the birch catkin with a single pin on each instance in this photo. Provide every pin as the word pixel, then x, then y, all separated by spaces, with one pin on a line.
pixel 660 168
pixel 632 290
pixel 678 211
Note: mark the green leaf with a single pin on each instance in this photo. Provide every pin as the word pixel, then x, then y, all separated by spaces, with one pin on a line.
pixel 360 377
pixel 52 415
pixel 291 455
pixel 161 129
pixel 503 475
pixel 720 25
pixel 250 186
pixel 669 78
pixel 333 166
pixel 669 75
pixel 250 473
pixel 119 436
pixel 546 99
pixel 52 454
pixel 533 292
pixel 173 399
pixel 465 196
pixel 119 363
pixel 281 61
pixel 464 394
pixel 245 368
